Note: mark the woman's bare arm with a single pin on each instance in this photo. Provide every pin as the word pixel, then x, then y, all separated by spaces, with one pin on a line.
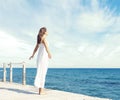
pixel 35 49
pixel 46 47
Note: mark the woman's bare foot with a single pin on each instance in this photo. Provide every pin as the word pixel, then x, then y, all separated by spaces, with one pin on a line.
pixel 41 91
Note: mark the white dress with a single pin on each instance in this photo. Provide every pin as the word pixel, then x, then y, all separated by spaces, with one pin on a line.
pixel 42 66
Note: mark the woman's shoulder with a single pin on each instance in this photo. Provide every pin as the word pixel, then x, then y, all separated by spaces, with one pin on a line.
pixel 45 41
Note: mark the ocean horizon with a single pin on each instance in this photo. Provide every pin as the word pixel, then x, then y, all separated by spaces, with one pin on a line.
pixel 100 82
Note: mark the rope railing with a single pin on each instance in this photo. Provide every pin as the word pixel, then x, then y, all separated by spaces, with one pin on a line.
pixel 11 71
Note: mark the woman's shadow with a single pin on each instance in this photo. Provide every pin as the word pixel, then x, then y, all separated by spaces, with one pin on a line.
pixel 18 91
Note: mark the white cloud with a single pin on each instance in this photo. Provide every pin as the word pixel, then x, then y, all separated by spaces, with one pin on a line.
pixel 79 35
pixel 13 49
pixel 93 22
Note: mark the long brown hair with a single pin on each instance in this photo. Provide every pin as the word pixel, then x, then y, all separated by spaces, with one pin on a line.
pixel 40 34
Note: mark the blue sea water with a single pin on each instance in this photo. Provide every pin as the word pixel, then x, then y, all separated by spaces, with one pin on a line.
pixel 103 83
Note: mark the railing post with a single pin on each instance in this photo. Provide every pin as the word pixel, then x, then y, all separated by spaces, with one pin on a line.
pixel 24 74
pixel 10 72
pixel 4 72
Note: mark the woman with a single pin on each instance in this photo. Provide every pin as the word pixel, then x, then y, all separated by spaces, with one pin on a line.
pixel 42 59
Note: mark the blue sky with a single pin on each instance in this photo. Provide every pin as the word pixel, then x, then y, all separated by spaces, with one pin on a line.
pixel 82 33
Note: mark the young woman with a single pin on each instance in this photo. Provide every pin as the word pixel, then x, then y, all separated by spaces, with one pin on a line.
pixel 42 59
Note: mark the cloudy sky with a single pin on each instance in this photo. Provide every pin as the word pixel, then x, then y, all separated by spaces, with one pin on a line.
pixel 82 33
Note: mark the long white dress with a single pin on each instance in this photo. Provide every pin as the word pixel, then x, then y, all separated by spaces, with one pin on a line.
pixel 42 66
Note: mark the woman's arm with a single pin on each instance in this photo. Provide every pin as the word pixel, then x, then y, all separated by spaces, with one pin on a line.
pixel 47 49
pixel 35 49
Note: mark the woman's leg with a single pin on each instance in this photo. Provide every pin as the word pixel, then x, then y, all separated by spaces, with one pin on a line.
pixel 39 90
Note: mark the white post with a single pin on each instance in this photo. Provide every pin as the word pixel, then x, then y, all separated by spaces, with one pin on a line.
pixel 24 74
pixel 4 72
pixel 10 72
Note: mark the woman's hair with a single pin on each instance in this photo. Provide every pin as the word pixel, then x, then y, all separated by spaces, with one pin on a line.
pixel 40 34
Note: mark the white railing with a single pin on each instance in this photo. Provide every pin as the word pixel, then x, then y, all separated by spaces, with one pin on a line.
pixel 11 71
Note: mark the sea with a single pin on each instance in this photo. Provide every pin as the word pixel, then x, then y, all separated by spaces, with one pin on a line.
pixel 99 82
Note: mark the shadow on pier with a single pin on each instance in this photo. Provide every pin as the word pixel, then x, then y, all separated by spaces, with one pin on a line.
pixel 18 90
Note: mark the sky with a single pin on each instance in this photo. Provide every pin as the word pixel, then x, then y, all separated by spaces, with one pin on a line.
pixel 81 33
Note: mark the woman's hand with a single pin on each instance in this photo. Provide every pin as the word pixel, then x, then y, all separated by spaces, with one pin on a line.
pixel 49 56
pixel 31 57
